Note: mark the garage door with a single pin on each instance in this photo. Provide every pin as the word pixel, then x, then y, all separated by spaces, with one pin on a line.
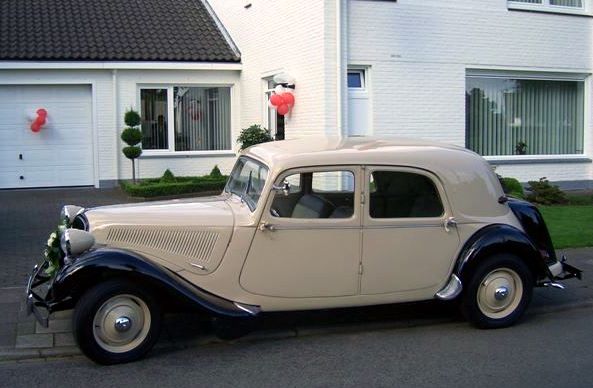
pixel 61 154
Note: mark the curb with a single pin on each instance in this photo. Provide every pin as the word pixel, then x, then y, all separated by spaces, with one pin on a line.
pixel 10 354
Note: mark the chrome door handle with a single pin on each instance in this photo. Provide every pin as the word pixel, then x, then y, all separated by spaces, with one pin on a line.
pixel 449 222
pixel 263 226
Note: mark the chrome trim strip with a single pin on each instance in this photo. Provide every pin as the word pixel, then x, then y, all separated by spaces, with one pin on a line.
pixel 451 290
pixel 251 309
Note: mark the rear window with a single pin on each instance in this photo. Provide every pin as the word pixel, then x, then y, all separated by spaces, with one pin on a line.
pixel 399 194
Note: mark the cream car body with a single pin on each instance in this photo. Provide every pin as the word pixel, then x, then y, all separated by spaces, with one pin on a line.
pixel 246 253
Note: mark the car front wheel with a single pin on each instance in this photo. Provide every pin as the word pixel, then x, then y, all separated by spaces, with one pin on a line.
pixel 116 322
pixel 498 292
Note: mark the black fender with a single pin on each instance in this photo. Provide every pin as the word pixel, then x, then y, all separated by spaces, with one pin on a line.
pixel 105 263
pixel 499 238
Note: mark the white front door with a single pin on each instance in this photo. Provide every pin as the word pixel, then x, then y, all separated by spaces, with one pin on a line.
pixel 359 115
pixel 61 153
pixel 309 244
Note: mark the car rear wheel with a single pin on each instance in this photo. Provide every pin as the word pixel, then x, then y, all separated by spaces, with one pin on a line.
pixel 498 292
pixel 116 322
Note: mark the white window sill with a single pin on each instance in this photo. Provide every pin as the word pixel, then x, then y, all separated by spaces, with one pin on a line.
pixel 184 154
pixel 536 159
pixel 549 9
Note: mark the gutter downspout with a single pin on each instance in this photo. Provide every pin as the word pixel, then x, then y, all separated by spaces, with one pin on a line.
pixel 116 114
pixel 341 54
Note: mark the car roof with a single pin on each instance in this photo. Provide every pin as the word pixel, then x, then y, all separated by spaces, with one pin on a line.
pixel 314 150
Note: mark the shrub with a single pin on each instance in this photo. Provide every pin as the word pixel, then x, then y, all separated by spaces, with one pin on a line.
pixel 132 152
pixel 132 118
pixel 150 188
pixel 544 193
pixel 168 177
pixel 512 187
pixel 131 136
pixel 215 173
pixel 255 134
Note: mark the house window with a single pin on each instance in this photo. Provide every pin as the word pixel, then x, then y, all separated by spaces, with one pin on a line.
pixel 186 118
pixel 559 6
pixel 514 116
pixel 356 79
pixel 273 121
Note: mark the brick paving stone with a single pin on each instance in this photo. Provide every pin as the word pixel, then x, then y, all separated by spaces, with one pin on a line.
pixel 9 312
pixel 66 314
pixel 64 339
pixel 26 327
pixel 34 341
pixel 55 326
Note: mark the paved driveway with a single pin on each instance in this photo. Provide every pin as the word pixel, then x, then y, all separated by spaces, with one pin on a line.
pixel 28 216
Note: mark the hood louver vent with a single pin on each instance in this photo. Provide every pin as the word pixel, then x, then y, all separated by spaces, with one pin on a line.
pixel 191 244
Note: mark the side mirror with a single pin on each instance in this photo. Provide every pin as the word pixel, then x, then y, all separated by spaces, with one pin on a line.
pixel 284 187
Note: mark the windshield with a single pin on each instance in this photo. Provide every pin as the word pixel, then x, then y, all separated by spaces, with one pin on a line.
pixel 247 181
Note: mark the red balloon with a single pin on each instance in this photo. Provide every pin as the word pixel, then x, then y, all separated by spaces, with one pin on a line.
pixel 282 109
pixel 276 100
pixel 35 126
pixel 288 98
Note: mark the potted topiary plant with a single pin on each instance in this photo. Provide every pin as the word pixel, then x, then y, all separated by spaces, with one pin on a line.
pixel 132 136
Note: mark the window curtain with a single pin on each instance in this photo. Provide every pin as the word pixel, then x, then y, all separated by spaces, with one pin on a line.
pixel 202 118
pixel 154 118
pixel 516 117
pixel 567 3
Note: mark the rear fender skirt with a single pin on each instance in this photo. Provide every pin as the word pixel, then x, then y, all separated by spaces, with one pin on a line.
pixel 499 238
pixel 104 263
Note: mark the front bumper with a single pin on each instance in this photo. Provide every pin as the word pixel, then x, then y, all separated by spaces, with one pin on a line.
pixel 36 294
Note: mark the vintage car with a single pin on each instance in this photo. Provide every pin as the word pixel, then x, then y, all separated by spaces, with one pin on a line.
pixel 316 223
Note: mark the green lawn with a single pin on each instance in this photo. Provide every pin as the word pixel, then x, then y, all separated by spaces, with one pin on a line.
pixel 570 226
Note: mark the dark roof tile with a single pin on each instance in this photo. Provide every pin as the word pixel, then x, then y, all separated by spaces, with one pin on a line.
pixel 111 30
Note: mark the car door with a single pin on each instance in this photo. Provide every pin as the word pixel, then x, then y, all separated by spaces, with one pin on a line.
pixel 308 243
pixel 408 243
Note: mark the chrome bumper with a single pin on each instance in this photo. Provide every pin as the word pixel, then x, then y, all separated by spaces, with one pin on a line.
pixel 35 302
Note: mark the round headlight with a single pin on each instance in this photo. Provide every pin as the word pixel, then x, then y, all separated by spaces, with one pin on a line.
pixel 76 241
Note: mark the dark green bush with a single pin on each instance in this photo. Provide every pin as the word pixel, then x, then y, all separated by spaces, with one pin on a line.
pixel 512 187
pixel 132 152
pixel 168 177
pixel 215 173
pixel 255 134
pixel 131 136
pixel 149 188
pixel 132 118
pixel 544 193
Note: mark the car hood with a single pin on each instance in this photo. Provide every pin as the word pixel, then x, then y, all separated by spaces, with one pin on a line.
pixel 207 211
pixel 186 234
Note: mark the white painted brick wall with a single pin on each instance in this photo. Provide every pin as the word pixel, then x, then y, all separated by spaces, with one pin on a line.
pixel 419 52
pixel 293 36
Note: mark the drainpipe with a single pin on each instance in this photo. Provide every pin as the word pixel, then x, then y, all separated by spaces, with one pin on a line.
pixel 116 114
pixel 342 102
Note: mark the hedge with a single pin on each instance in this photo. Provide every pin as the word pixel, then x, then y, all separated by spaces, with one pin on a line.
pixel 149 188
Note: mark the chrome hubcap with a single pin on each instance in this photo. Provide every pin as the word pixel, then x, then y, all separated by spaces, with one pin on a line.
pixel 500 293
pixel 121 323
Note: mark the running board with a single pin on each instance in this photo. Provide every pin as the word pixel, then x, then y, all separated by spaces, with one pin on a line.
pixel 451 290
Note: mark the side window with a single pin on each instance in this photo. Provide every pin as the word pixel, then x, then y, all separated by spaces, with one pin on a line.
pixel 399 194
pixel 323 194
